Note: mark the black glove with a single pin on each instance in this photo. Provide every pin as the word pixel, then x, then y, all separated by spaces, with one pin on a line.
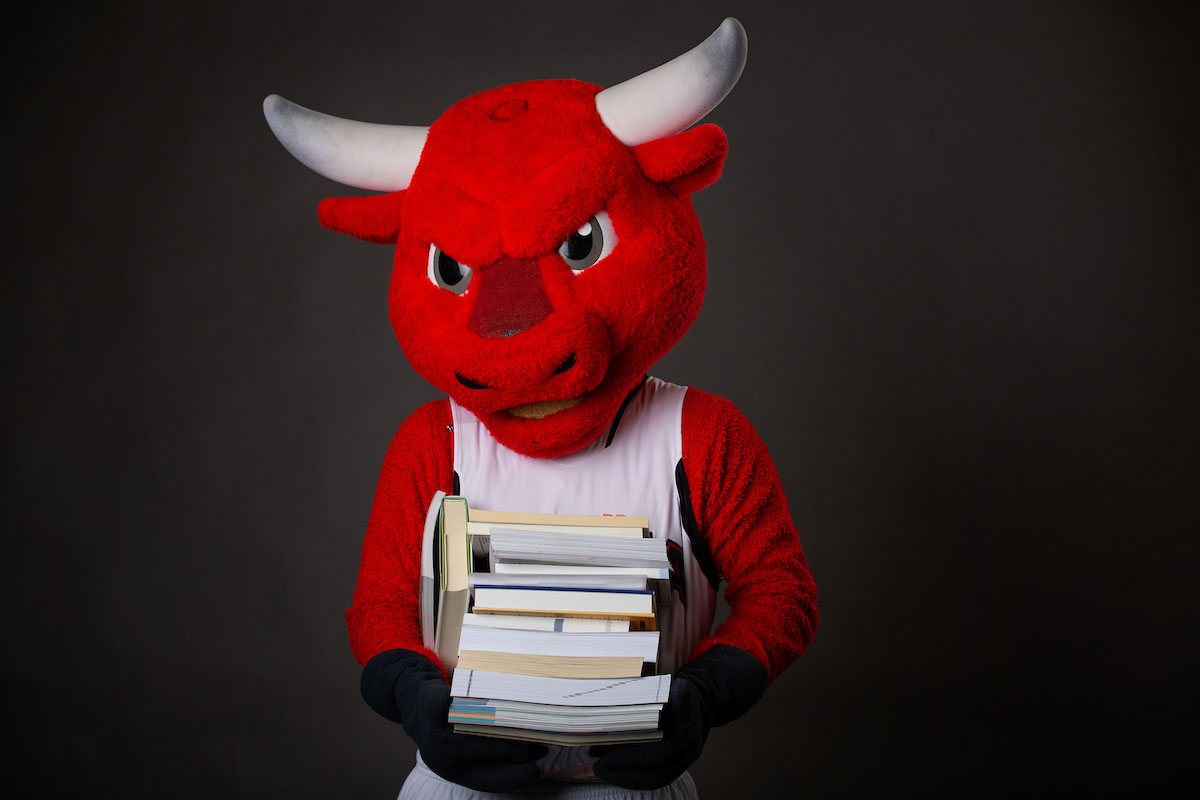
pixel 408 688
pixel 716 688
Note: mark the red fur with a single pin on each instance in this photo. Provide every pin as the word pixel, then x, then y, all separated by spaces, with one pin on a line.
pixel 375 218
pixel 740 507
pixel 386 609
pixel 686 162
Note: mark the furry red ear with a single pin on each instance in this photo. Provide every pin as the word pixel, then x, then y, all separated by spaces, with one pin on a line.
pixel 686 162
pixel 375 218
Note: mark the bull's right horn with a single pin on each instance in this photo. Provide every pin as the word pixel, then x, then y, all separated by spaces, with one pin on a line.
pixel 678 94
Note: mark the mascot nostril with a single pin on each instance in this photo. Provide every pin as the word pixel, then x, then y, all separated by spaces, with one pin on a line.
pixel 509 299
pixel 470 384
pixel 597 180
pixel 566 365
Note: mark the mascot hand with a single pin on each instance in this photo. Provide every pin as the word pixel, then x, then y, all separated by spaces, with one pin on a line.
pixel 716 688
pixel 408 688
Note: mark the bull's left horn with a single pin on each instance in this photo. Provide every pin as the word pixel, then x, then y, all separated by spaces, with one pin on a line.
pixel 678 94
pixel 364 155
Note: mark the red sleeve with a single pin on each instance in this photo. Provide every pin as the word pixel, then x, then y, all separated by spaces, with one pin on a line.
pixel 386 613
pixel 743 517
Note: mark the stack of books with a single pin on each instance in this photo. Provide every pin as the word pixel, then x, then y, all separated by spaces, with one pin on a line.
pixel 548 622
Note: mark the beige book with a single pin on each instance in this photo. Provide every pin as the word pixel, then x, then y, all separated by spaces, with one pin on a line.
pixel 594 602
pixel 551 666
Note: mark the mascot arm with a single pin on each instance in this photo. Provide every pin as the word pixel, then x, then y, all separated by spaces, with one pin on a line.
pixel 402 679
pixel 385 613
pixel 742 516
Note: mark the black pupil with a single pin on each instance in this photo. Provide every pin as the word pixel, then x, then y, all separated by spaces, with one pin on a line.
pixel 449 270
pixel 579 246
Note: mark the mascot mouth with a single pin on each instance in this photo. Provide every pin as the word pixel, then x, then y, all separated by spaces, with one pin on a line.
pixel 547 407
pixel 580 391
pixel 544 408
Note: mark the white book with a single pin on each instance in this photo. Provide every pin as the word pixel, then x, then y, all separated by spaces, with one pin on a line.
pixel 651 573
pixel 568 719
pixel 597 551
pixel 636 713
pixel 479 685
pixel 481 532
pixel 532 623
pixel 641 644
pixel 561 581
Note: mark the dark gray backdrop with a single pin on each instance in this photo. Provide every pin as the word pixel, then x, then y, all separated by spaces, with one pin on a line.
pixel 952 282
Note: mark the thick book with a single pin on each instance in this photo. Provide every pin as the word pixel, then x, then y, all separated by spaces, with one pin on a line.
pixel 567 725
pixel 431 571
pixel 570 725
pixel 561 581
pixel 562 624
pixel 642 645
pixel 550 601
pixel 455 592
pixel 479 685
pixel 481 532
pixel 650 573
pixel 552 718
pixel 512 546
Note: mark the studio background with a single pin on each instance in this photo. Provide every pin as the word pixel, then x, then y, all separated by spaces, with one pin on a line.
pixel 952 282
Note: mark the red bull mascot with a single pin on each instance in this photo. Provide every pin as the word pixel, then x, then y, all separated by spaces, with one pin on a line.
pixel 546 255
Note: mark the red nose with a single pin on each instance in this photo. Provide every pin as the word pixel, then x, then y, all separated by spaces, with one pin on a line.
pixel 509 298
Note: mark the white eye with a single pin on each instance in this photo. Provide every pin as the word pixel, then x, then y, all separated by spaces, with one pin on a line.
pixel 446 273
pixel 590 244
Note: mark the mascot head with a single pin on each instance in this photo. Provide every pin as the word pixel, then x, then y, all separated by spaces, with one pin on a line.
pixel 546 251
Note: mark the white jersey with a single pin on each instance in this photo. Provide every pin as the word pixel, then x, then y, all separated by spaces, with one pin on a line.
pixel 630 470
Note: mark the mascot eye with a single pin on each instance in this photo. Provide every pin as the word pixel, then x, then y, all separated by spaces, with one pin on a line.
pixel 447 273
pixel 589 244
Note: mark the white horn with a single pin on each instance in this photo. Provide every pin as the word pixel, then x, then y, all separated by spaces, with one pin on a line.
pixel 678 94
pixel 364 155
